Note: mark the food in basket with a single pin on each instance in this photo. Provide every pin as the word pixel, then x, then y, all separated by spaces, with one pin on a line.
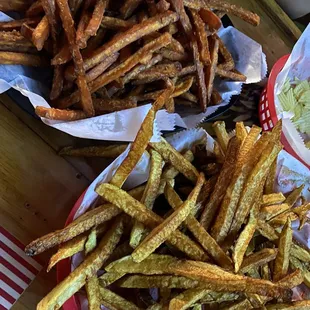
pixel 113 55
pixel 200 239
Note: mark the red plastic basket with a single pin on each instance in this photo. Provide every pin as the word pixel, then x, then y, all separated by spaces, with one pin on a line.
pixel 267 110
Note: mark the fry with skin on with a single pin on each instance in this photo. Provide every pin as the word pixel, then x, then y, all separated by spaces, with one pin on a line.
pixel 128 8
pixel 296 264
pixel 110 277
pixel 116 23
pixel 118 71
pixel 93 293
pixel 150 219
pixel 212 21
pixel 16 24
pixel 12 58
pixel 216 97
pixel 91 241
pixel 88 268
pixel 60 115
pixel 206 241
pixel 296 305
pixel 274 198
pixel 269 185
pixel 170 155
pixel 103 106
pixel 221 134
pixel 159 234
pixel 294 195
pixel 58 83
pixel 233 75
pixel 300 253
pixel 282 260
pixel 187 298
pixel 270 211
pixel 178 6
pixel 228 63
pixel 241 132
pixel 41 33
pixel 141 142
pixel 149 196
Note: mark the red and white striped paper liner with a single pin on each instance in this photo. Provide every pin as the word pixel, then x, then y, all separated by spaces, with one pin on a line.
pixel 16 269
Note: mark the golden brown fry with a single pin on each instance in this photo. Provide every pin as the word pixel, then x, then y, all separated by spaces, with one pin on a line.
pixel 58 82
pixel 294 195
pixel 11 58
pixel 212 21
pixel 169 105
pixel 171 55
pixel 210 276
pixel 103 106
pixel 170 155
pixel 300 253
pixel 201 37
pixel 178 6
pixel 141 141
pixel 269 185
pixel 282 260
pixel 232 75
pixel 212 69
pixel 158 235
pixel 267 230
pixel 186 299
pixel 281 219
pixel 114 301
pixel 241 132
pixel 60 115
pixel 88 268
pixel 216 97
pixel 16 24
pixel 110 151
pixel 189 96
pixel 149 196
pixel 274 198
pixel 139 212
pixel 116 23
pixel 68 24
pixel 222 183
pixel 228 63
pixel 63 56
pixel 35 9
pixel 91 241
pixel 80 37
pixel 270 211
pixel 257 259
pixel 221 134
pixel 41 33
pixel 120 70
pixel 296 264
pixel 206 241
pixel 93 293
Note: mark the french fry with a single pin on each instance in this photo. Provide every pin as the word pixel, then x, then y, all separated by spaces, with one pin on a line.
pixel 120 70
pixel 139 212
pixel 91 241
pixel 216 97
pixel 15 42
pixel 241 132
pixel 162 6
pixel 149 196
pixel 63 56
pixel 269 185
pixel 282 260
pixel 60 115
pixel 300 253
pixel 239 305
pixel 221 134
pixel 142 139
pixel 296 305
pixel 68 24
pixel 111 151
pixel 12 58
pixel 111 105
pixel 271 211
pixel 114 301
pixel 294 195
pixel 206 241
pixel 88 268
pixel 41 33
pixel 202 38
pixel 233 75
pixel 109 277
pixel 186 299
pixel 274 198
pixel 228 63
pixel 212 21
pixel 93 293
pixel 58 85
pixel 281 219
pixel 128 8
pixel 212 69
pixel 35 9
pixel 178 6
pixel 223 181
pixel 116 23
pixel 16 24
pixel 158 235
pixel 297 265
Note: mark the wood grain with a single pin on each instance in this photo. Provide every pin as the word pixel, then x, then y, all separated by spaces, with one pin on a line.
pixel 277 33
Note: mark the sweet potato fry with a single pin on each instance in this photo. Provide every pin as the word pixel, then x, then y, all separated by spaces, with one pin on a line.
pixel 68 25
pixel 120 70
pixel 60 115
pixel 63 56
pixel 141 142
pixel 241 132
pixel 212 21
pixel 116 23
pixel 16 24
pixel 81 40
pixel 149 196
pixel 201 37
pixel 41 33
pixel 88 268
pixel 133 34
pixel 282 260
pixel 138 211
pixel 170 155
pixel 93 293
pixel 111 105
pixel 212 69
pixel 233 75
pixel 129 7
pixel 15 42
pixel 159 234
pixel 35 9
pixel 178 6
pixel 12 58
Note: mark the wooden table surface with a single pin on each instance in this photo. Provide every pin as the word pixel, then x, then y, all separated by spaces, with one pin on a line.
pixel 39 188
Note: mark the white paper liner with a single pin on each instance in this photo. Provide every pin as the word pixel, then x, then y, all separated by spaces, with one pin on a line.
pixel 290 174
pixel 123 125
pixel 298 65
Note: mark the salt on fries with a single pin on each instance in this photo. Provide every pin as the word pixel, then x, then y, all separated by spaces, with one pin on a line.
pixel 102 51
pixel 142 239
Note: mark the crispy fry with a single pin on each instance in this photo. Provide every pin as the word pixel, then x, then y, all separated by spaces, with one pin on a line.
pixel 269 185
pixel 149 195
pixel 296 264
pixel 109 277
pixel 134 33
pixel 189 96
pixel 216 97
pixel 212 21
pixel 269 212
pixel 116 23
pixel 300 253
pixel 41 33
pixel 114 301
pixel 241 132
pixel 158 235
pixel 91 241
pixel 233 75
pixel 61 115
pixel 88 268
pixel 68 25
pixel 142 139
pixel 35 9
pixel 281 219
pixel 11 58
pixel 111 105
pixel 212 69
pixel 16 24
pixel 282 260
pixel 186 299
pixel 13 41
pixel 128 8
pixel 294 195
pixel 258 259
pixel 93 293
pixel 170 155
pixel 223 181
pixel 210 276
pixel 201 37
pixel 228 63
pixel 63 56
pixel 206 241
pixel 120 70
pixel 173 55
pixel 274 198
pixel 139 212
pixel 58 82
pixel 221 134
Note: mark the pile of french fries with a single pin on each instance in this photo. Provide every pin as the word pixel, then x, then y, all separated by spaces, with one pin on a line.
pixel 113 55
pixel 217 239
